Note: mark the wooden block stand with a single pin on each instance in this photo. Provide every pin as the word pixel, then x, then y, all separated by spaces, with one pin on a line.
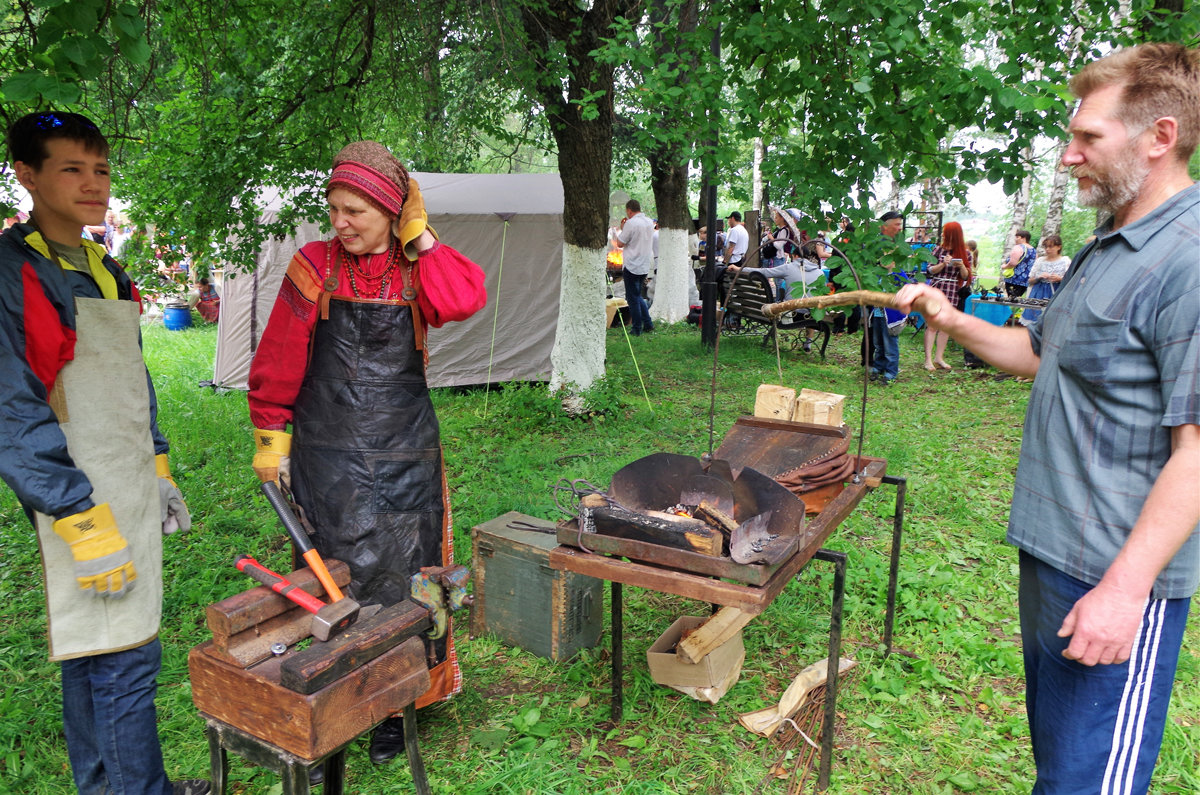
pixel 256 708
pixel 293 769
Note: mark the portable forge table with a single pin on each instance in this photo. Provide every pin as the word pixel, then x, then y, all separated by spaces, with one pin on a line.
pixel 662 572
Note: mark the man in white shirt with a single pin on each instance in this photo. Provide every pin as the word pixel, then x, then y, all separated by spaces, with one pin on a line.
pixel 636 240
pixel 737 241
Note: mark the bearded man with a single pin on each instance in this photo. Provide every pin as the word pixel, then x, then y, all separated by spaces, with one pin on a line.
pixel 1105 506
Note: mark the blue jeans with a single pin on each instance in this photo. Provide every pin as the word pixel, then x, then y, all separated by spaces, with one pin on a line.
pixel 1095 729
pixel 639 312
pixel 885 349
pixel 110 723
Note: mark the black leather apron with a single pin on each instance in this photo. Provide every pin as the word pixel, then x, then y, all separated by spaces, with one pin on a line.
pixel 366 462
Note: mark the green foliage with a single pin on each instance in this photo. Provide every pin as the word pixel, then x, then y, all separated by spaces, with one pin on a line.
pixel 54 50
pixel 875 259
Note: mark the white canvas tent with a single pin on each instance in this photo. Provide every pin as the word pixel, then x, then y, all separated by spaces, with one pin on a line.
pixel 523 263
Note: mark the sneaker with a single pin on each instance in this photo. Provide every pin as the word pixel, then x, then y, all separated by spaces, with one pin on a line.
pixel 192 786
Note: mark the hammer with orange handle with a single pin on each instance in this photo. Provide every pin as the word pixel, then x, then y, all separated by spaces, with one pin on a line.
pixel 327 620
pixel 300 538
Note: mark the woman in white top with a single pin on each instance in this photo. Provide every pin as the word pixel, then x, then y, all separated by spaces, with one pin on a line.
pixel 1045 275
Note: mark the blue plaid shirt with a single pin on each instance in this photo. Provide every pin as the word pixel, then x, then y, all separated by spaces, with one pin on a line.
pixel 1120 367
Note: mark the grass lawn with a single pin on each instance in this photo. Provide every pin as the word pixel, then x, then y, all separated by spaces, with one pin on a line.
pixel 945 715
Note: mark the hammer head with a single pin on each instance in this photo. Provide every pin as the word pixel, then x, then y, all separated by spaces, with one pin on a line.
pixel 333 618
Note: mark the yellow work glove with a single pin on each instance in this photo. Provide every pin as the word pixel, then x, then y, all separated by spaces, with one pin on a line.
pixel 413 221
pixel 103 562
pixel 271 454
pixel 175 514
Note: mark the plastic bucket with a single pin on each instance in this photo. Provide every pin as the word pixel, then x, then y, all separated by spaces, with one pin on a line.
pixel 177 316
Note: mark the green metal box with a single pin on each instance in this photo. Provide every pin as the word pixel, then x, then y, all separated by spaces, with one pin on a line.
pixel 521 600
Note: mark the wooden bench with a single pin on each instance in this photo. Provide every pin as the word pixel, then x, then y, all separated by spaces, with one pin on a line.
pixel 748 292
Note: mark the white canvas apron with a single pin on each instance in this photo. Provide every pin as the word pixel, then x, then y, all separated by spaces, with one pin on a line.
pixel 103 407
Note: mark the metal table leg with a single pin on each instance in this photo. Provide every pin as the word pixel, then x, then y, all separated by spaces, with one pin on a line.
pixel 618 631
pixel 838 559
pixel 901 485
pixel 334 770
pixel 415 763
pixel 218 760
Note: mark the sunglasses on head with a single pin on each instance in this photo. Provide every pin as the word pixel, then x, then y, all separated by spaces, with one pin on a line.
pixel 52 119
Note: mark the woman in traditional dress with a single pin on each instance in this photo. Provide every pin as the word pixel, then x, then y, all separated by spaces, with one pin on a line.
pixel 343 361
pixel 1045 275
pixel 949 271
pixel 207 301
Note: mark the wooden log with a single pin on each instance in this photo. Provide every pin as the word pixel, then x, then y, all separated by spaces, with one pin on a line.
pixel 821 408
pixel 655 527
pixel 926 306
pixel 253 645
pixel 320 664
pixel 715 632
pixel 714 517
pixel 774 402
pixel 251 608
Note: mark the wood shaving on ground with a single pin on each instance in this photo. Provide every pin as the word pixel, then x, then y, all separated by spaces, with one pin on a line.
pixel 796 746
pixel 767 721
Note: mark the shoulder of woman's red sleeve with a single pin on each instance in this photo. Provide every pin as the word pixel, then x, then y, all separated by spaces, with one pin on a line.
pixel 306 270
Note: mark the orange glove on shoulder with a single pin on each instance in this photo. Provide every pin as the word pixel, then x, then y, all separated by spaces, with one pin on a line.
pixel 413 221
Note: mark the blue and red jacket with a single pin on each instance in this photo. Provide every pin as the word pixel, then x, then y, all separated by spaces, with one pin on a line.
pixel 37 338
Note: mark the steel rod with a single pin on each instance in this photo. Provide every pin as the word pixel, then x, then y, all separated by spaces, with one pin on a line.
pixel 618 631
pixel 838 559
pixel 415 763
pixel 901 485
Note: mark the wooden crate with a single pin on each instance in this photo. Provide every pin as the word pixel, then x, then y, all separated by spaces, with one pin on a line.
pixel 313 725
pixel 521 600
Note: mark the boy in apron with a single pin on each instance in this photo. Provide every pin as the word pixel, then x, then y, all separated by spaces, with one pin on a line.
pixel 81 449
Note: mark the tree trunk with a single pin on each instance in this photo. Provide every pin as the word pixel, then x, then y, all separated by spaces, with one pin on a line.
pixel 1021 202
pixel 756 180
pixel 672 283
pixel 433 136
pixel 584 143
pixel 1058 195
pixel 893 199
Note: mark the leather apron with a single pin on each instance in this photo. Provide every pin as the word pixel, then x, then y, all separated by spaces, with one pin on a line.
pixel 366 461
pixel 103 407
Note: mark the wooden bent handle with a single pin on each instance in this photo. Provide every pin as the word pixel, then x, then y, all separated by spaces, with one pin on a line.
pixel 925 305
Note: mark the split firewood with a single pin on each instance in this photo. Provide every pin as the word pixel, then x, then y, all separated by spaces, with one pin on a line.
pixel 715 517
pixel 695 645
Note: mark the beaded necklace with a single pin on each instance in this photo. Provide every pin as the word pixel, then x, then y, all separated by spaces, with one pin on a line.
pixel 389 268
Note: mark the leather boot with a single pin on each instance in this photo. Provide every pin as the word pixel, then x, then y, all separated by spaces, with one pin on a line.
pixel 387 741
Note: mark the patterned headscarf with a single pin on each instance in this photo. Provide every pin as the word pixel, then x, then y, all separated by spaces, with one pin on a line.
pixel 368 169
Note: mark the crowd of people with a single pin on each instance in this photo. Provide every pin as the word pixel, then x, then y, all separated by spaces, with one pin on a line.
pixel 1105 513
pixel 799 266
